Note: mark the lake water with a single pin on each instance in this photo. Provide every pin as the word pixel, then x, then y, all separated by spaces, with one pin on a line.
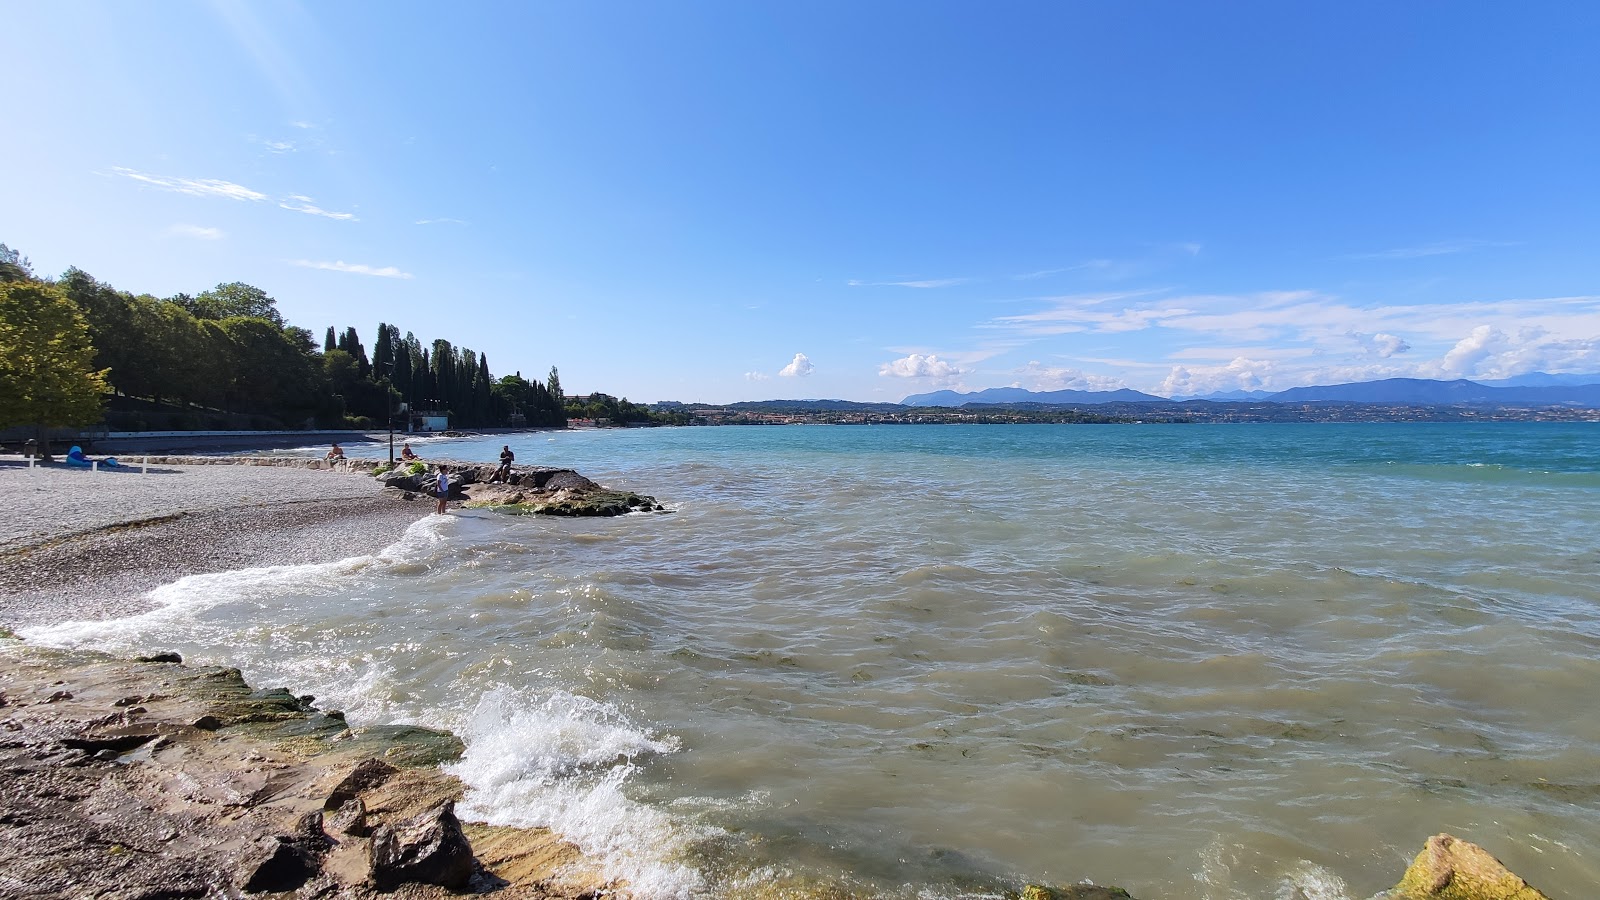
pixel 1241 661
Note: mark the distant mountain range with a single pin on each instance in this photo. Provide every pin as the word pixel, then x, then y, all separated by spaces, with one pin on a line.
pixel 1533 389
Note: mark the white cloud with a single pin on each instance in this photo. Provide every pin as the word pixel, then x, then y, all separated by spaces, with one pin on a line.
pixel 299 203
pixel 755 376
pixel 195 187
pixel 1038 377
pixel 1381 344
pixel 196 231
pixel 799 367
pixel 916 365
pixel 1241 374
pixel 1231 353
pixel 356 268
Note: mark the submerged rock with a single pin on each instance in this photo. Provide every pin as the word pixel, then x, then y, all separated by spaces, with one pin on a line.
pixel 1073 892
pixel 1449 868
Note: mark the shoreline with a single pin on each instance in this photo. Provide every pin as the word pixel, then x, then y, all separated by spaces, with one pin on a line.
pixel 101 571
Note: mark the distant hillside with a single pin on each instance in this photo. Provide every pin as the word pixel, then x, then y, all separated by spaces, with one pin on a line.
pixel 1541 379
pixel 1224 396
pixel 1425 392
pixel 782 406
pixel 1021 395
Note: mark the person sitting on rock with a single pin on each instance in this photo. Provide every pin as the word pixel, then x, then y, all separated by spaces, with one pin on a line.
pixel 503 474
pixel 405 452
pixel 337 452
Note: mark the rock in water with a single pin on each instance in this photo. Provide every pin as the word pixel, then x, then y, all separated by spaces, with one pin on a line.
pixel 429 848
pixel 1452 869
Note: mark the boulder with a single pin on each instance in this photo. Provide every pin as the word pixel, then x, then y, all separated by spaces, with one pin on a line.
pixel 428 848
pixel 368 774
pixel 285 862
pixel 1452 869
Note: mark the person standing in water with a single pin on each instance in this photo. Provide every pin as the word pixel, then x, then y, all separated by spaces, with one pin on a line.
pixel 443 489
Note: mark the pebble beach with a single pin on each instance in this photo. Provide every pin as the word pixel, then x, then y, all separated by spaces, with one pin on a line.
pixel 83 544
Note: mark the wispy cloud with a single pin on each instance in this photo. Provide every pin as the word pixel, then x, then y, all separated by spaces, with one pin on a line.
pixel 1438 248
pixel 1230 353
pixel 1087 312
pixel 195 187
pixel 196 231
pixel 755 376
pixel 299 203
pixel 354 268
pixel 927 283
pixel 301 124
pixel 441 221
pixel 279 146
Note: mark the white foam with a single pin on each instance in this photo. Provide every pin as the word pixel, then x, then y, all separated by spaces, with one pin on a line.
pixel 560 763
pixel 180 604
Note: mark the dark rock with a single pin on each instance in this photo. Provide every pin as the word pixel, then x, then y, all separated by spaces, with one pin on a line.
pixel 428 848
pixel 368 774
pixel 285 862
pixel 166 656
pixel 206 723
pixel 351 818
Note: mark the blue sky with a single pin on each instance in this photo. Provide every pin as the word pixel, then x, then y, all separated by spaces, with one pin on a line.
pixel 720 201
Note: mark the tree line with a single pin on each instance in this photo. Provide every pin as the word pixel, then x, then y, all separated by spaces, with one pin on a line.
pixel 225 358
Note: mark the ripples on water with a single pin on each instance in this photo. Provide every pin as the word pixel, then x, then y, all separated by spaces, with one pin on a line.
pixel 1206 661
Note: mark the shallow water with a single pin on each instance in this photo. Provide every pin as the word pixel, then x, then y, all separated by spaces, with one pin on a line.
pixel 1194 661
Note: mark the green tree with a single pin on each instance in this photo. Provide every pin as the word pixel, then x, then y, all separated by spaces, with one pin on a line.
pixel 14 266
pixel 329 342
pixel 226 301
pixel 47 374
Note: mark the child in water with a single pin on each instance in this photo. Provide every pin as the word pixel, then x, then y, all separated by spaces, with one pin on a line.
pixel 443 489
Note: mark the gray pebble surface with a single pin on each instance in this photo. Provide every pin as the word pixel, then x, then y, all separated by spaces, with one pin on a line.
pixel 91 545
pixel 54 501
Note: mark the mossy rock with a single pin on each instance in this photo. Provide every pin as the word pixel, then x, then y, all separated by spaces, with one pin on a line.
pixel 407 746
pixel 1452 869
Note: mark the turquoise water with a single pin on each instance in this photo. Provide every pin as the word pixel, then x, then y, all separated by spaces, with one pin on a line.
pixel 1194 661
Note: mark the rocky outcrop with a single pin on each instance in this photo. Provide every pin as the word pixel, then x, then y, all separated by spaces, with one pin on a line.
pixel 529 490
pixel 153 779
pixel 1449 868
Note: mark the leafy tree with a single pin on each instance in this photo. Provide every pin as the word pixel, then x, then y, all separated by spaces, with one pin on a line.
pixel 47 374
pixel 14 266
pixel 226 301
pixel 113 331
pixel 274 370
